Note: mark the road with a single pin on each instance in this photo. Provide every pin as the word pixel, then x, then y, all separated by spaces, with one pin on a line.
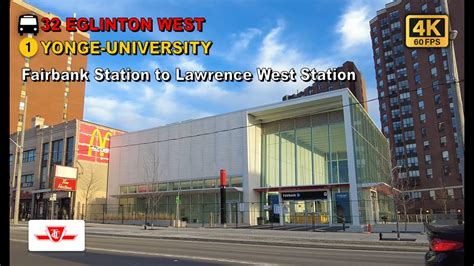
pixel 106 250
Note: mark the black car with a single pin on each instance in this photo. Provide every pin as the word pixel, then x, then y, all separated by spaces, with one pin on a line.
pixel 446 245
pixel 28 24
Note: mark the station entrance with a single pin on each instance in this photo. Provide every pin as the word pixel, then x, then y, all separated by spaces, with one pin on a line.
pixel 306 208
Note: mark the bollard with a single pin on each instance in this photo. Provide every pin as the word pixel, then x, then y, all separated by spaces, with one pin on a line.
pixel 380 236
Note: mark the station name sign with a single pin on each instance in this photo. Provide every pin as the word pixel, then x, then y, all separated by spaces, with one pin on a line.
pixel 307 195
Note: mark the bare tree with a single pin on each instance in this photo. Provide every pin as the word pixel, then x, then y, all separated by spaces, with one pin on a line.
pixel 152 176
pixel 442 194
pixel 90 186
pixel 403 199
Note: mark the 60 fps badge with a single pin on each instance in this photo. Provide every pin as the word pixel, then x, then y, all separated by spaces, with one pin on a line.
pixel 426 31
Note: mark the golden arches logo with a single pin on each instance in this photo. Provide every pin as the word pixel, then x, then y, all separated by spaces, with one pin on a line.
pixel 102 142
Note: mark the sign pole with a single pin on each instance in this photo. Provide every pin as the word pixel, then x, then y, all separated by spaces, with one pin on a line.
pixel 223 183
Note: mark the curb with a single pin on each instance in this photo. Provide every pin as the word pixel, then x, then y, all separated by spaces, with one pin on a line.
pixel 345 245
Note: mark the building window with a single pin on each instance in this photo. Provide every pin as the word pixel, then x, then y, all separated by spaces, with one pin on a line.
pixel 407 7
pixel 424 8
pixel 69 151
pixel 426 144
pixel 414 173
pixel 451 193
pixel 445 155
pixel 445 64
pixel 414 54
pixel 400 61
pixel 376 41
pixel 44 166
pixel 437 99
pixel 27 180
pixel 441 127
pixel 407 122
pixel 409 135
pixel 434 72
pixel 428 159
pixel 421 105
pixel 393 15
pixel 57 152
pixel 435 86
pixel 390 77
pixel 432 195
pixel 416 67
pixel 385 33
pixel 442 141
pixel 446 170
pixel 429 173
pixel 411 148
pixel 417 79
pixel 11 159
pixel 29 156
pixel 444 52
pixel 439 112
pixel 422 118
pixel 438 10
pixel 423 132
pixel 412 161
pixel 432 59
pixel 406 109
pixel 402 72
pixel 419 92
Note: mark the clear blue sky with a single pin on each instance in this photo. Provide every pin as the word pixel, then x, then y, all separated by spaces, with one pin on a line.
pixel 246 35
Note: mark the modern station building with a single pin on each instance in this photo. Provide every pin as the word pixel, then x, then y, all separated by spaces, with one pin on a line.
pixel 318 156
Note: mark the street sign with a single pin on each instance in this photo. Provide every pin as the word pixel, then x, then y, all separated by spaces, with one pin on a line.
pixel 52 197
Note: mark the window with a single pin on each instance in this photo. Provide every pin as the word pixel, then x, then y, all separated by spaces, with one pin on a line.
pixel 428 159
pixel 435 86
pixel 444 52
pixel 426 144
pixel 446 170
pixel 429 173
pixel 407 122
pixel 451 193
pixel 416 67
pixel 434 72
pixel 57 152
pixel 412 161
pixel 417 79
pixel 422 118
pixel 11 159
pixel 441 127
pixel 388 53
pixel 437 99
pixel 397 125
pixel 390 77
pixel 409 135
pixel 29 156
pixel 445 155
pixel 411 148
pixel 414 173
pixel 421 105
pixel 69 151
pixel 374 29
pixel 385 130
pixel 399 48
pixel 378 62
pixel 432 59
pixel 424 8
pixel 423 132
pixel 402 72
pixel 382 94
pixel 397 138
pixel 389 66
pixel 376 41
pixel 399 150
pixel 400 61
pixel 407 7
pixel 403 84
pixel 439 112
pixel 385 33
pixel 432 195
pixel 395 113
pixel 419 92
pixel 393 101
pixel 393 15
pixel 445 65
pixel 404 96
pixel 44 166
pixel 386 44
pixel 380 83
pixel 415 195
pixel 406 109
pixel 27 180
pixel 438 10
pixel 414 54
pixel 442 141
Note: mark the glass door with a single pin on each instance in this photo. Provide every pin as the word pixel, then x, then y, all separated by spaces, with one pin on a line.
pixel 322 211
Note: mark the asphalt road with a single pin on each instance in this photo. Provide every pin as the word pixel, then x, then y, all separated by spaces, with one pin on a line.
pixel 105 250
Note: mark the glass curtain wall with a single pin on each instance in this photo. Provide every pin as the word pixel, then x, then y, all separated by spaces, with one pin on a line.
pixel 305 151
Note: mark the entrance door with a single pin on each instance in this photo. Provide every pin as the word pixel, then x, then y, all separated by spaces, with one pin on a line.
pixel 322 211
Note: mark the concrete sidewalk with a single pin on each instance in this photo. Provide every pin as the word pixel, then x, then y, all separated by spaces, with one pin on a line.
pixel 333 240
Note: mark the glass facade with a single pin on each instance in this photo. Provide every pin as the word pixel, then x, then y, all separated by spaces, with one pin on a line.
pixel 305 151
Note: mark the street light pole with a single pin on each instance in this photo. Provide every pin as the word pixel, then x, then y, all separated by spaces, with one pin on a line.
pixel 457 99
pixel 394 201
pixel 20 166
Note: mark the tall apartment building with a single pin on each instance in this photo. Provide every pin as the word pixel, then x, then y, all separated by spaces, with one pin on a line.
pixel 74 143
pixel 356 87
pixel 46 99
pixel 416 106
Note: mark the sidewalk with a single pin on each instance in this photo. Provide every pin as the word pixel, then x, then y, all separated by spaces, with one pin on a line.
pixel 334 240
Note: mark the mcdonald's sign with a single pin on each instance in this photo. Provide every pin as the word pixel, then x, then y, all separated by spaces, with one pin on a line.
pixel 94 143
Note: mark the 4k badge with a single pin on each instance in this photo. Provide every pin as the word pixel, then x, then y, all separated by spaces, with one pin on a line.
pixel 426 31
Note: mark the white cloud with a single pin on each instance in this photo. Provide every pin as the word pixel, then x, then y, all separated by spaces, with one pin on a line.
pixel 241 42
pixel 187 64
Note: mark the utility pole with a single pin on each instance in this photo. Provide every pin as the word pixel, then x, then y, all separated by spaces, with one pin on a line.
pixel 456 87
pixel 20 166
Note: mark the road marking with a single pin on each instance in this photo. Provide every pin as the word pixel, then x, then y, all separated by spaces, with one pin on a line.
pixel 164 255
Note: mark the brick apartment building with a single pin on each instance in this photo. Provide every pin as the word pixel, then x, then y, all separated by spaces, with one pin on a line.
pixel 74 143
pixel 47 99
pixel 416 106
pixel 357 88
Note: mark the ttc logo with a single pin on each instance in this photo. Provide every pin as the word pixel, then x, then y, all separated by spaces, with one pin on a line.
pixel 56 235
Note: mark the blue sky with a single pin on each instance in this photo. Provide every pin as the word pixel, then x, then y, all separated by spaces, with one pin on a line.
pixel 246 35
